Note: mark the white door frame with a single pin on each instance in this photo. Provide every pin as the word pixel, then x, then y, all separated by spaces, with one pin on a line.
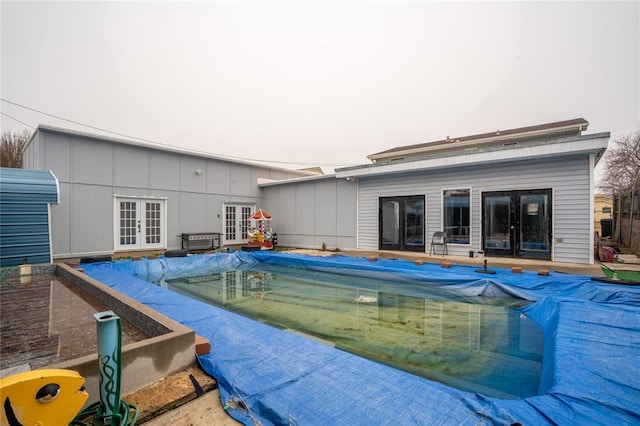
pixel 139 223
pixel 236 220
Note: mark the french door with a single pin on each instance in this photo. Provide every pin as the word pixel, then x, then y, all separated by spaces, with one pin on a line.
pixel 401 223
pixel 140 224
pixel 517 223
pixel 237 220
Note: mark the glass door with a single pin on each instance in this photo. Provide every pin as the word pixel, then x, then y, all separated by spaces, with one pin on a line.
pixel 535 223
pixel 497 230
pixel 517 223
pixel 414 223
pixel 237 220
pixel 140 224
pixel 401 223
pixel 390 223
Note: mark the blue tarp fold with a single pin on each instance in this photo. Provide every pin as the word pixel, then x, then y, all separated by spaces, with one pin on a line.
pixel 590 372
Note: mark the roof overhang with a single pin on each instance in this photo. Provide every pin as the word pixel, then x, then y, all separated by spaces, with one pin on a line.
pixel 590 144
pixel 262 182
pixel 569 127
pixel 162 147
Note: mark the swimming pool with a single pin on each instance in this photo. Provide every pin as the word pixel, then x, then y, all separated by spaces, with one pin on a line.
pixel 590 371
pixel 473 343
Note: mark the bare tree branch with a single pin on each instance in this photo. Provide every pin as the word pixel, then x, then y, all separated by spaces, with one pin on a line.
pixel 11 148
pixel 622 163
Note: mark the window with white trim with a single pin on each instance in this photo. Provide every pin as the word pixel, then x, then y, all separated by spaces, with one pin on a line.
pixel 456 215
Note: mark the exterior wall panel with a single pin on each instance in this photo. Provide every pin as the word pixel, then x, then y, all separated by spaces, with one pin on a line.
pixel 61 218
pixel 164 171
pixel 326 208
pixel 193 212
pixel 347 212
pixel 92 163
pixel 310 213
pixel 240 180
pixel 91 228
pixel 284 222
pixel 218 177
pixel 172 213
pixel 214 213
pixel 305 219
pixel 58 149
pixel 190 181
pixel 131 167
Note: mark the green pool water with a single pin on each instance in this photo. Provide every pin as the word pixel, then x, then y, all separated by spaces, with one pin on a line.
pixel 474 344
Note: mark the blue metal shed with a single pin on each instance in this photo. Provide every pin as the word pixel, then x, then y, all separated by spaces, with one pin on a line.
pixel 25 199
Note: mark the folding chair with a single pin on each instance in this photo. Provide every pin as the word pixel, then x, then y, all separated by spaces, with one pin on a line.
pixel 439 239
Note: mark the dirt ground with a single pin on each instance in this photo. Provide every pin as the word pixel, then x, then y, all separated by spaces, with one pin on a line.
pixel 174 401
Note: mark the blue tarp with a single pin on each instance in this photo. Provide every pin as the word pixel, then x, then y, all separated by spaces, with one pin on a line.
pixel 591 363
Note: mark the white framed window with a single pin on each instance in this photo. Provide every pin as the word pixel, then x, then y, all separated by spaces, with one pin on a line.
pixel 139 223
pixel 456 215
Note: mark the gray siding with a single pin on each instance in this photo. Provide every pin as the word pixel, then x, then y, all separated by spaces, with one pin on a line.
pixel 311 213
pixel 164 171
pixel 93 170
pixel 568 177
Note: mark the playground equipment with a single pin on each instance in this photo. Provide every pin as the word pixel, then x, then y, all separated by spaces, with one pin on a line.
pixel 262 236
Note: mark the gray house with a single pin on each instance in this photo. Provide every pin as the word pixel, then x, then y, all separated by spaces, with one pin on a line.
pixel 122 196
pixel 522 193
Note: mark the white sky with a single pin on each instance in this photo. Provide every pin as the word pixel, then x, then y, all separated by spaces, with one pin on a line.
pixel 318 82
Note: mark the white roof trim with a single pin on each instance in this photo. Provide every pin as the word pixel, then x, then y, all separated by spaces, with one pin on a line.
pixel 455 144
pixel 266 182
pixel 161 147
pixel 581 144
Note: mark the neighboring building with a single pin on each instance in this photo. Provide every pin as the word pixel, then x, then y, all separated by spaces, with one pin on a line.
pixel 121 196
pixel 26 197
pixel 603 209
pixel 522 193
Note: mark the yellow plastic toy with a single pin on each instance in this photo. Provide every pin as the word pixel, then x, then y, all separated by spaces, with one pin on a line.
pixel 42 397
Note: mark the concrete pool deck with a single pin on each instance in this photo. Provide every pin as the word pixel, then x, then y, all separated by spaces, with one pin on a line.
pixel 493 262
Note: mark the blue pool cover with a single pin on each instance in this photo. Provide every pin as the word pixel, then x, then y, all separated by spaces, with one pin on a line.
pixel 590 371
